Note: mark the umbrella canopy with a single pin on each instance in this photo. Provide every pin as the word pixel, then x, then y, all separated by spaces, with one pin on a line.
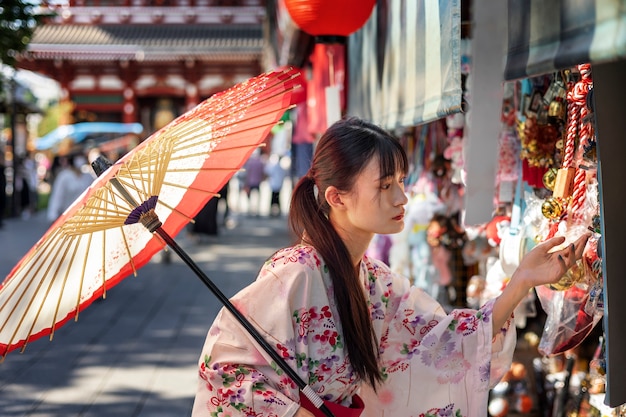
pixel 81 131
pixel 101 238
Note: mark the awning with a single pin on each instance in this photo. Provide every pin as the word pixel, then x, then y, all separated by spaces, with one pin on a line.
pixel 97 131
pixel 547 36
pixel 409 65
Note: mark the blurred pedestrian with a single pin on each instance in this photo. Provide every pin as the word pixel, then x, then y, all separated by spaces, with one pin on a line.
pixel 224 197
pixel 30 180
pixel 276 173
pixel 254 171
pixel 3 186
pixel 205 222
pixel 71 181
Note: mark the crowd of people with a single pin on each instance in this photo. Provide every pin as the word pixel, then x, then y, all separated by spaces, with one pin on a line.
pixel 61 179
pixel 43 183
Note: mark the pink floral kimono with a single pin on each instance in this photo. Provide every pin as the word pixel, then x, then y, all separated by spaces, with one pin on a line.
pixel 434 364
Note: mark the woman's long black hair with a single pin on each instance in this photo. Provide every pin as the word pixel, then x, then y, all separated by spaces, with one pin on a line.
pixel 340 156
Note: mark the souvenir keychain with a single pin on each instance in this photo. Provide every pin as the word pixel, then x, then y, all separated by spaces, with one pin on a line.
pixel 568 192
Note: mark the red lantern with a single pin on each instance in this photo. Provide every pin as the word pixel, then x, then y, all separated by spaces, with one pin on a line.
pixel 330 18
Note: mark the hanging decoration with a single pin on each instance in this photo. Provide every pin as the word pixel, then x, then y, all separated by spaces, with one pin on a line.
pixel 330 20
pixel 538 134
pixel 574 305
pixel 569 190
pixel 554 129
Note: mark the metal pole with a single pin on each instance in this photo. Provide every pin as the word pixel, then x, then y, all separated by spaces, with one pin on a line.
pixel 14 159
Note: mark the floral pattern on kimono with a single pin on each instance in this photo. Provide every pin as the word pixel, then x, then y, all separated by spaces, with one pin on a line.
pixel 434 364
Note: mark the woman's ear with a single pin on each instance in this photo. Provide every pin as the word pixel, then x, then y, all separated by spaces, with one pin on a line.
pixel 333 197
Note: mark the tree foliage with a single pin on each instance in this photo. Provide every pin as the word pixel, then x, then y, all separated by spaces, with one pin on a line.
pixel 18 21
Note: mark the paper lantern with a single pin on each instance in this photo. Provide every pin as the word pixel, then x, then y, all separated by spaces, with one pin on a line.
pixel 330 18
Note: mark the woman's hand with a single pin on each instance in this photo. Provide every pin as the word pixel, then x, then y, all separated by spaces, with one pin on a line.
pixel 544 264
pixel 303 412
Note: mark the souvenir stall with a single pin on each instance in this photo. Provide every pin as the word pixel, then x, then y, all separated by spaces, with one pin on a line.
pixel 556 143
pixel 547 185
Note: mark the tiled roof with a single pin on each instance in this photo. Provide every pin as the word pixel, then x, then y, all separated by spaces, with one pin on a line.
pixel 146 42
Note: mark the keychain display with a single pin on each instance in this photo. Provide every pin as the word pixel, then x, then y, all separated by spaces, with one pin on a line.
pixel 574 305
pixel 559 169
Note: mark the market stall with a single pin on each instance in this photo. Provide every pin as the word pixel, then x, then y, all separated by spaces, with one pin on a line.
pixel 544 37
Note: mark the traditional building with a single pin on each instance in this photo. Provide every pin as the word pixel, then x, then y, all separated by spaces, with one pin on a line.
pixel 146 61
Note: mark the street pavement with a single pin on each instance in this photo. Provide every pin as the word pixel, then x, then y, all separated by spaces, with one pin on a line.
pixel 133 354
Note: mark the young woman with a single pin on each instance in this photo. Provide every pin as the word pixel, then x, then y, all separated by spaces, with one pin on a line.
pixel 343 321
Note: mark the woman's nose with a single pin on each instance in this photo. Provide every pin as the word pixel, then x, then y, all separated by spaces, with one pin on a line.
pixel 401 198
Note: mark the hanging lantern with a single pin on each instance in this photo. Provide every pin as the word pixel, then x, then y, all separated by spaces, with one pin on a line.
pixel 330 20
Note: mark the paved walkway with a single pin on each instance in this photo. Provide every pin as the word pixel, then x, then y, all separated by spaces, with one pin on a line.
pixel 133 354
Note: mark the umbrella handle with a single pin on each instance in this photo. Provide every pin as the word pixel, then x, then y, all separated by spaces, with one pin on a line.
pixel 100 165
pixel 304 388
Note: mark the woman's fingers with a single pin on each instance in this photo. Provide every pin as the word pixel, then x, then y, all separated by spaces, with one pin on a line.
pixel 581 243
pixel 574 251
pixel 553 242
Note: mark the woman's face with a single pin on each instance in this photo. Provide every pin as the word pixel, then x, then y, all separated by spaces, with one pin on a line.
pixel 375 204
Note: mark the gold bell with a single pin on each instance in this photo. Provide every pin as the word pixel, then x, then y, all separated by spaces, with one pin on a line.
pixel 573 276
pixel 552 208
pixel 557 109
pixel 549 178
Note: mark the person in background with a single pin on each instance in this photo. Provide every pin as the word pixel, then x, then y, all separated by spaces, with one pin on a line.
pixel 224 197
pixel 276 173
pixel 71 181
pixel 3 186
pixel 205 222
pixel 345 323
pixel 30 194
pixel 253 176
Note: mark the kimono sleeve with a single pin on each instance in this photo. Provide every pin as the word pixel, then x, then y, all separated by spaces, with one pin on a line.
pixel 436 363
pixel 236 376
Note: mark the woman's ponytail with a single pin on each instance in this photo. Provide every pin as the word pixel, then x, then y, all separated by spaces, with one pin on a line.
pixel 309 222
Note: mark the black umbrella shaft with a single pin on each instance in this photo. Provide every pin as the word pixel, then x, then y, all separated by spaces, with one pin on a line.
pixel 100 165
pixel 240 317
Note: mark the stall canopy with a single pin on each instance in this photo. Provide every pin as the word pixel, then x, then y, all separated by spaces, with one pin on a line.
pixel 79 132
pixel 546 36
pixel 409 63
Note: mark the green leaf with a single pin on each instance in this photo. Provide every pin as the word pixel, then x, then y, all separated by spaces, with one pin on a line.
pixel 18 21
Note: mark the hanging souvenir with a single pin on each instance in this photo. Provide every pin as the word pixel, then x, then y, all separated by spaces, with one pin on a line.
pixel 537 135
pixel 570 182
pixel 555 97
pixel 574 304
